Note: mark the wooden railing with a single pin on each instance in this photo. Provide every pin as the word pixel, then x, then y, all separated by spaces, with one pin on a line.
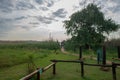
pixel 113 66
pixel 39 71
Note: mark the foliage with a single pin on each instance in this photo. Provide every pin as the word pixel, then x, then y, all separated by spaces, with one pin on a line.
pixel 113 42
pixel 70 44
pixel 50 45
pixel 10 57
pixel 41 58
pixel 89 25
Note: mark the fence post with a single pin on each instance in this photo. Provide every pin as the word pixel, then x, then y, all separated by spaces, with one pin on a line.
pixel 80 52
pixel 82 69
pixel 54 68
pixel 38 75
pixel 104 55
pixel 114 71
pixel 118 47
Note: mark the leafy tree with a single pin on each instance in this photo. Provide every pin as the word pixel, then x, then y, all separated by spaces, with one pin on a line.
pixel 89 25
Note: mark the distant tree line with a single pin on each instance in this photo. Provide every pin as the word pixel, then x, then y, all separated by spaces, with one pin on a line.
pixel 50 45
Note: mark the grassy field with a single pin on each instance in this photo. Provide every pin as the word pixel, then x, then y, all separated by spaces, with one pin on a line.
pixel 14 65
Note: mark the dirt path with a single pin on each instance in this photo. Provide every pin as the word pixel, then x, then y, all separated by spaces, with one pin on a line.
pixel 65 52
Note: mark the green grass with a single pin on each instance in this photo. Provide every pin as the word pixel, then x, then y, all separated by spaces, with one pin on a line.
pixel 10 57
pixel 14 65
pixel 71 71
pixel 50 45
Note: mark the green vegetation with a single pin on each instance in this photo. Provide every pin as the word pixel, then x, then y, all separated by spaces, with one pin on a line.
pixel 14 59
pixel 14 65
pixel 89 26
pixel 16 53
pixel 50 45
pixel 16 56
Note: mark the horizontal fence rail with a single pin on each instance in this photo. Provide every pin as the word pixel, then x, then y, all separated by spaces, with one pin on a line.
pixel 47 67
pixel 75 61
pixel 98 65
pixel 39 71
pixel 30 75
pixel 113 66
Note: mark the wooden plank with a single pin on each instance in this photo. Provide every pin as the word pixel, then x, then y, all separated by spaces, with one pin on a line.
pixel 97 65
pixel 38 73
pixel 82 69
pixel 54 69
pixel 104 55
pixel 74 61
pixel 79 61
pixel 114 71
pixel 80 52
pixel 118 48
pixel 30 75
pixel 49 66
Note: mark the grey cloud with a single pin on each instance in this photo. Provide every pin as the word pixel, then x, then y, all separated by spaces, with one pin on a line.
pixel 20 18
pixel 82 3
pixel 39 1
pixel 25 27
pixel 7 25
pixel 117 9
pixel 10 5
pixel 105 8
pixel 113 8
pixel 75 7
pixel 5 28
pixel 44 19
pixel 61 13
pixel 117 1
pixel 48 2
pixel 6 5
pixel 5 20
pixel 3 34
pixel 23 5
pixel 34 23
pixel 44 8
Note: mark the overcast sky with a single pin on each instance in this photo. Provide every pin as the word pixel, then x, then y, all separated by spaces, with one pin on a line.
pixel 36 19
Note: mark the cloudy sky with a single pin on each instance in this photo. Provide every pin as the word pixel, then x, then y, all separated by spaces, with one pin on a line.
pixel 37 19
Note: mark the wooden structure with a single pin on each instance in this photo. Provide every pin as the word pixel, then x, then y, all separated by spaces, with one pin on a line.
pixel 113 66
pixel 104 55
pixel 80 52
pixel 39 71
pixel 118 48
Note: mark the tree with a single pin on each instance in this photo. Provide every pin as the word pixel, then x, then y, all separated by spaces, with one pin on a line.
pixel 89 25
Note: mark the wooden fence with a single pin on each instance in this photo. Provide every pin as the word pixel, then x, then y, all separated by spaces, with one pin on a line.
pixel 103 53
pixel 39 71
pixel 113 66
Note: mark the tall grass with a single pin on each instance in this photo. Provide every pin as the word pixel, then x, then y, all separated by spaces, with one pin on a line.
pixel 17 53
pixel 50 45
